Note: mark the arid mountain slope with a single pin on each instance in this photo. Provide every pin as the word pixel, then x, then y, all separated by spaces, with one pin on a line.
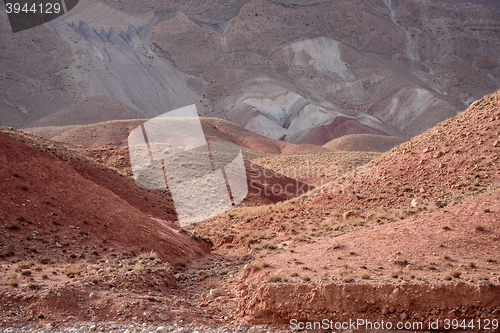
pixel 46 200
pixel 433 177
pixel 279 68
pixel 364 142
pixel 96 109
pixel 285 67
pixel 45 70
pixel 106 144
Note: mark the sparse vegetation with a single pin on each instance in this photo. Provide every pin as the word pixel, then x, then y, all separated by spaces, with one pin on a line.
pixel 347 275
pixel 151 255
pixel 265 245
pixel 273 278
pixel 365 275
pixel 74 269
pixel 251 237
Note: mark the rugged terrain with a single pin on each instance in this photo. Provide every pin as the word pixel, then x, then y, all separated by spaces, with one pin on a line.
pixel 292 71
pixel 352 239
pixel 440 188
pixel 373 195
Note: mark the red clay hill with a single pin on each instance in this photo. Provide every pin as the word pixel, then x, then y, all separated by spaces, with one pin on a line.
pixel 49 208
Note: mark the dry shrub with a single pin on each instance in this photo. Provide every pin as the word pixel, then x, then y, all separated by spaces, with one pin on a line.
pixel 9 251
pixel 273 278
pixel 401 259
pixel 12 278
pixel 265 246
pixel 261 265
pixel 355 221
pixel 400 213
pixel 365 274
pixel 151 255
pixel 74 269
pixel 378 214
pixel 347 276
pixel 251 236
pixel 45 260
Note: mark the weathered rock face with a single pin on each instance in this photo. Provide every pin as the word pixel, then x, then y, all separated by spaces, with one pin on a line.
pixel 409 64
pixel 387 66
pixel 50 68
pixel 132 73
pixel 30 80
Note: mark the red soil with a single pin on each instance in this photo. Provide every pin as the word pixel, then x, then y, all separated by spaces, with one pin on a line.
pixel 365 142
pixel 339 127
pixel 45 194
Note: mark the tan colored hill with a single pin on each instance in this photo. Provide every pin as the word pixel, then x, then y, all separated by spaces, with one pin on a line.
pixel 449 164
pixel 107 143
pixel 317 167
pixel 96 109
pixel 364 142
pixel 422 217
pixel 115 133
pixel 341 126
pixel 49 131
pixel 418 268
